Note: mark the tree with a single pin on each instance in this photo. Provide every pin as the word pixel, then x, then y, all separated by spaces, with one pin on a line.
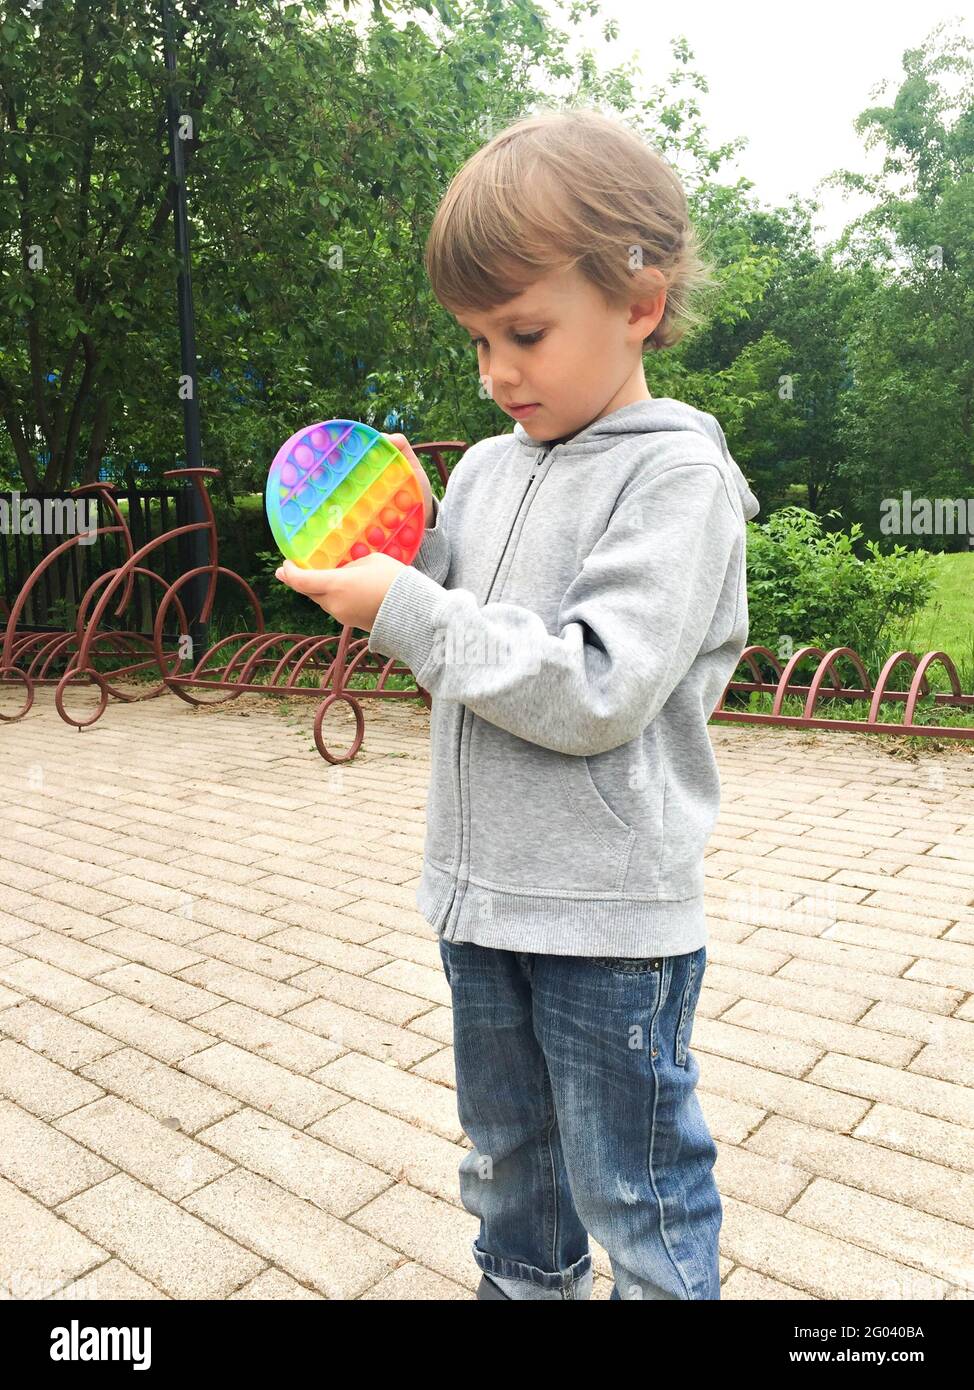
pixel 909 424
pixel 316 154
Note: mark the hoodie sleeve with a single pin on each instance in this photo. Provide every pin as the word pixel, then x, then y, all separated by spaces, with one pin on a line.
pixel 433 556
pixel 630 625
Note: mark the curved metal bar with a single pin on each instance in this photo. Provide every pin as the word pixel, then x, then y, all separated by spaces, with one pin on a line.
pixel 750 655
pixel 303 653
pixel 32 579
pixel 827 665
pixel 257 654
pixel 196 476
pixel 69 676
pixel 814 692
pixel 56 646
pixel 133 670
pixel 106 490
pixel 435 449
pixel 117 576
pixel 334 658
pixel 171 595
pixel 5 671
pixel 385 673
pixel 323 709
pixel 97 636
pixel 920 678
pixel 889 666
pixel 785 680
pixel 360 658
pixel 323 643
pixel 247 640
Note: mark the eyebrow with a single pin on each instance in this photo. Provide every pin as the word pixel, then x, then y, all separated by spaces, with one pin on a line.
pixel 512 318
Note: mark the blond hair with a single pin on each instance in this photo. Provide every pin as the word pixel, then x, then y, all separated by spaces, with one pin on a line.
pixel 563 188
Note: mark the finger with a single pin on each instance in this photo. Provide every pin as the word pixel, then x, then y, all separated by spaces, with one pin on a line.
pixel 406 449
pixel 304 581
pixel 403 445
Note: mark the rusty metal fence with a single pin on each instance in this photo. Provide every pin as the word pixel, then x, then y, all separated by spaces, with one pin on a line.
pixel 825 682
pixel 136 614
pixel 139 597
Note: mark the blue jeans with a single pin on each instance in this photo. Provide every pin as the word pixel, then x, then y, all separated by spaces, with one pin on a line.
pixel 576 1087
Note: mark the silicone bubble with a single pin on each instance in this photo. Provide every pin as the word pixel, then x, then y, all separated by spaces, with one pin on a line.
pixel 339 490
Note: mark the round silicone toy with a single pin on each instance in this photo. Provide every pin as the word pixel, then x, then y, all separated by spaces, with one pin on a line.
pixel 339 490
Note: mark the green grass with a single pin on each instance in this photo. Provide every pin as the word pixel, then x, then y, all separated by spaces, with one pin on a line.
pixel 247 502
pixel 947 622
pixel 250 502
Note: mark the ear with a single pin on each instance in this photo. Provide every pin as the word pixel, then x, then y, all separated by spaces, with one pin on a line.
pixel 647 299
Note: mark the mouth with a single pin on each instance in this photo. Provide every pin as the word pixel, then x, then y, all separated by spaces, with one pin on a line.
pixel 521 410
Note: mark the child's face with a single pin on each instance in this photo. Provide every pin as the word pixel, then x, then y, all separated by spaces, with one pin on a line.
pixel 558 347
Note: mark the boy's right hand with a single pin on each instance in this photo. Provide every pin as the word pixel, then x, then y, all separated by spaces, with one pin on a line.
pixel 402 444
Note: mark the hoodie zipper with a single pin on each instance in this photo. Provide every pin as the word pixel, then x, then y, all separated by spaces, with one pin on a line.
pixel 539 459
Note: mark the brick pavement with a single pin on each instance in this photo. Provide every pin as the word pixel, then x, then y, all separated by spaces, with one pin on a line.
pixel 225 1035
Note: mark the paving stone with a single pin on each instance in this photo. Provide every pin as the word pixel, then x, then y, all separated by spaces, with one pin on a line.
pixel 39 1252
pixel 300 1162
pixel 298 1100
pixel 46 1163
pixel 43 1087
pixel 332 1257
pixel 226 1039
pixel 166 1244
pixel 136 1142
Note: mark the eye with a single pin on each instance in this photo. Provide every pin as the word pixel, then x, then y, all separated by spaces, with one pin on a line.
pixel 522 339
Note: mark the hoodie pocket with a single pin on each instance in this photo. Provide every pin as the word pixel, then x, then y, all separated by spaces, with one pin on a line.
pixel 538 821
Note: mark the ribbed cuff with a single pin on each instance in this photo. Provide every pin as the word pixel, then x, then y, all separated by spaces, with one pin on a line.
pixel 433 555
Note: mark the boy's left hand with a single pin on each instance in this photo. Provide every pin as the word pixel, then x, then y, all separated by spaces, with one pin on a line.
pixel 353 593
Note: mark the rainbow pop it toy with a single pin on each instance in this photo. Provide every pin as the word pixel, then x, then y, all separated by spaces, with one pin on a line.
pixel 339 490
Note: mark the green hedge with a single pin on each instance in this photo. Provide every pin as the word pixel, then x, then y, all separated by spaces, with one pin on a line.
pixel 807 586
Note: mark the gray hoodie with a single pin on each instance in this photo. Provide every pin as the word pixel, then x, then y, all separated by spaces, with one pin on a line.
pixel 575 612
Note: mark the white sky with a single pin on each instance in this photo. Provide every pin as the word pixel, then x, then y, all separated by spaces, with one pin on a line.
pixel 792 78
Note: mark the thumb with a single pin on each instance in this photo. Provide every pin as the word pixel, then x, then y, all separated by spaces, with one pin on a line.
pixel 303 580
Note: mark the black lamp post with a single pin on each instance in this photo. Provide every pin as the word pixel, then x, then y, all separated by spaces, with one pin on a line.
pixel 195 549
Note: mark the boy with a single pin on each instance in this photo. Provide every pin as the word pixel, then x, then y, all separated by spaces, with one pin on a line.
pixel 576 609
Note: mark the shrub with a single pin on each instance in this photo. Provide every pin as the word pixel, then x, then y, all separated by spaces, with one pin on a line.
pixel 807 586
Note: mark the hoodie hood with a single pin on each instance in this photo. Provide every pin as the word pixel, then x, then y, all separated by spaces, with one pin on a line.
pixel 659 413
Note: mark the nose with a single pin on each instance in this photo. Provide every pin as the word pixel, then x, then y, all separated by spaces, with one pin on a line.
pixel 500 373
